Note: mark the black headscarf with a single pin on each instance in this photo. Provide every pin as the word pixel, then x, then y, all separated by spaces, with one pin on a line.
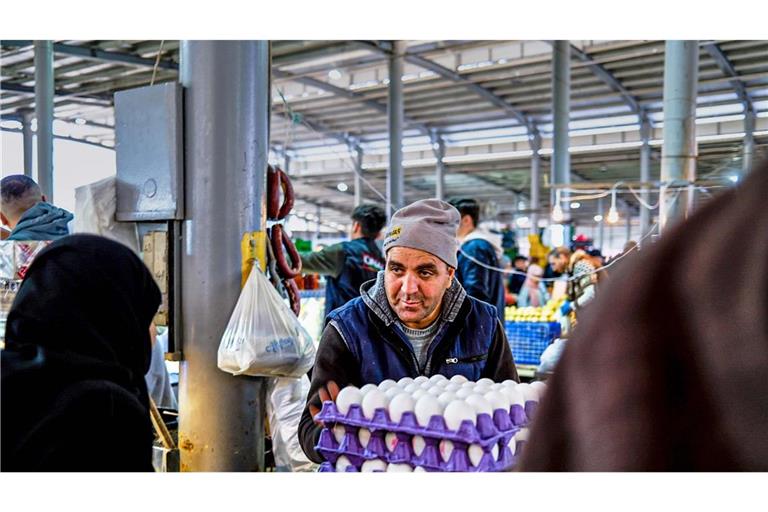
pixel 77 349
pixel 85 296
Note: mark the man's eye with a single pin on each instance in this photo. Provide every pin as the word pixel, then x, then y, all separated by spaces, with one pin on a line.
pixel 425 273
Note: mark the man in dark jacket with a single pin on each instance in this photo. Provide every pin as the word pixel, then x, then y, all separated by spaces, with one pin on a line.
pixel 414 319
pixel 26 212
pixel 349 264
pixel 480 249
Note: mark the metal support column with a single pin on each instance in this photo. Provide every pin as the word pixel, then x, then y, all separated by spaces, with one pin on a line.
pixel 357 151
pixel 628 214
pixel 396 115
pixel 601 230
pixel 645 174
pixel 535 182
pixel 221 426
pixel 27 139
pixel 438 148
pixel 561 105
pixel 44 113
pixel 749 142
pixel 678 154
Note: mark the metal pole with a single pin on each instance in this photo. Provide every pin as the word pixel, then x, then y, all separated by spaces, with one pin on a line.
pixel 749 142
pixel 318 213
pixel 227 147
pixel 601 231
pixel 440 169
pixel 629 223
pixel 645 174
pixel 358 182
pixel 535 182
pixel 561 104
pixel 678 154
pixel 27 138
pixel 44 112
pixel 396 114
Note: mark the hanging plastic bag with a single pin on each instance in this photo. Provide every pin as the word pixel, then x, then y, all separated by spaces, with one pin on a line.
pixel 287 398
pixel 264 338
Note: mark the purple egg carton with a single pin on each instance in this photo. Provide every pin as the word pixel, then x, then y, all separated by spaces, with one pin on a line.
pixel 327 467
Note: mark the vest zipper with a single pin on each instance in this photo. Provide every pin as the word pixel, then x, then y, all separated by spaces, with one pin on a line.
pixel 473 359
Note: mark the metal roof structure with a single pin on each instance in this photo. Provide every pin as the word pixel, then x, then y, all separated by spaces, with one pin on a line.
pixel 484 99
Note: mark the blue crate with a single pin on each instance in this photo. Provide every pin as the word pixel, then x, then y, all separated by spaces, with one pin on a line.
pixel 528 340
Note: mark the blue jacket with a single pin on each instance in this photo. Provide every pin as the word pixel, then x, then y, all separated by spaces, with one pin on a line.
pixel 42 222
pixel 362 343
pixel 479 282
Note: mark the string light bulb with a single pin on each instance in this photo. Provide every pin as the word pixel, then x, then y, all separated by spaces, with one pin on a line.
pixel 557 210
pixel 613 214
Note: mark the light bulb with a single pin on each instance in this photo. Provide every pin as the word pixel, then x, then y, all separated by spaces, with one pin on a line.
pixel 598 218
pixel 613 215
pixel 557 213
pixel 343 187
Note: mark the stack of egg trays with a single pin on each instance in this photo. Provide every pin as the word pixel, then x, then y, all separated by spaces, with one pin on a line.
pixel 488 432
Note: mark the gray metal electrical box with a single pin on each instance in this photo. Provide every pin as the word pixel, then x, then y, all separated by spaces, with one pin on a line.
pixel 149 139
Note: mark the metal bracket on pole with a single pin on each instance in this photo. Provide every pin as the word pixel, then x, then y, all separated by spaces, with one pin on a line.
pixel 253 248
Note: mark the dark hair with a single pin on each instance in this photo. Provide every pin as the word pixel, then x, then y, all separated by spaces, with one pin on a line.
pixel 371 218
pixel 520 258
pixel 560 251
pixel 467 206
pixel 17 186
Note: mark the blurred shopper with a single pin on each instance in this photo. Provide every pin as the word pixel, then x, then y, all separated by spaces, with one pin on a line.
pixel 74 396
pixel 26 212
pixel 349 264
pixel 415 319
pixel 677 370
pixel 520 263
pixel 533 293
pixel 479 250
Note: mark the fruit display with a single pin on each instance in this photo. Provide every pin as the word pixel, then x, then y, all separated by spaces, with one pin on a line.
pixel 427 424
pixel 550 312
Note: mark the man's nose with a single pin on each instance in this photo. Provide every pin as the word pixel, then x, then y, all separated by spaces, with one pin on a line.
pixel 410 284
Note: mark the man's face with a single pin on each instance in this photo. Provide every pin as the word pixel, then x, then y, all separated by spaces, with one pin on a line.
pixel 415 282
pixel 519 265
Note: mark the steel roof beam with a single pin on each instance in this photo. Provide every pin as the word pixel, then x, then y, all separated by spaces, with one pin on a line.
pixel 728 70
pixel 102 55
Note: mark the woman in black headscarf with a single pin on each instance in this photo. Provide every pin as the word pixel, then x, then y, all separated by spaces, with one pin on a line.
pixel 77 348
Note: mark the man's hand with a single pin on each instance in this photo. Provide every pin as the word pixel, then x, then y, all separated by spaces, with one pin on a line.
pixel 328 392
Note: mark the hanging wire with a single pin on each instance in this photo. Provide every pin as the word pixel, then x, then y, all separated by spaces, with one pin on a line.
pixel 157 63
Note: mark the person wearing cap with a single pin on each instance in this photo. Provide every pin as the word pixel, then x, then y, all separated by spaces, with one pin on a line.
pixel 413 319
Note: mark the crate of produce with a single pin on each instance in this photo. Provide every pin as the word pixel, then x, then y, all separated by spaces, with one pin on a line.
pixel 528 340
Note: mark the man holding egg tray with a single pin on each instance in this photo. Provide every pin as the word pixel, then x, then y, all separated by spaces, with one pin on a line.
pixel 413 320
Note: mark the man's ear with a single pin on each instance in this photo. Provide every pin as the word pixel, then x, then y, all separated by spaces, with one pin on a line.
pixel 45 199
pixel 451 272
pixel 4 219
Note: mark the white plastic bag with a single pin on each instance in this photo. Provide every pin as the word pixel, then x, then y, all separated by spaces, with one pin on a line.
pixel 95 206
pixel 287 398
pixel 264 338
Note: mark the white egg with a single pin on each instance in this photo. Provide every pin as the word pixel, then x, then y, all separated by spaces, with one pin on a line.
pixel 498 400
pixel 418 444
pixel 419 469
pixel 421 379
pixel 540 387
pixel 426 407
pixel 464 392
pixel 497 387
pixel 418 394
pixel 405 381
pixel 469 385
pixel 400 404
pixel 452 386
pixel 368 387
pixel 373 465
pixel 446 449
pixel 347 397
pixel 509 382
pixel 459 379
pixel 412 387
pixel 364 435
pixel 512 445
pixel 482 388
pixel 456 412
pixel 446 397
pixel 399 468
pixel 342 463
pixel 373 400
pixel 338 433
pixel 476 453
pixel 495 452
pixel 441 384
pixel 479 404
pixel 515 395
pixel 386 384
pixel 530 394
pixel 394 391
pixel 427 385
pixel 435 391
pixel 390 440
pixel 486 382
pixel 522 435
pixel 438 378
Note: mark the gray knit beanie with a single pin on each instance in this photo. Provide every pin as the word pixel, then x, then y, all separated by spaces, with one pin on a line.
pixel 428 225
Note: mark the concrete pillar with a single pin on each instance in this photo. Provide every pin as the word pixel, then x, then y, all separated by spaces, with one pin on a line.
pixel 678 155
pixel 357 151
pixel 27 140
pixel 221 424
pixel 645 175
pixel 439 146
pixel 44 84
pixel 601 230
pixel 561 104
pixel 629 224
pixel 396 116
pixel 749 142
pixel 535 181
